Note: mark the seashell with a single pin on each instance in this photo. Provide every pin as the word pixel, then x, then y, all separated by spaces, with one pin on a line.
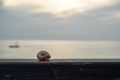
pixel 43 56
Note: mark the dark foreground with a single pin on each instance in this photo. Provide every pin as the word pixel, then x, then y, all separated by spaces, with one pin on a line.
pixel 85 69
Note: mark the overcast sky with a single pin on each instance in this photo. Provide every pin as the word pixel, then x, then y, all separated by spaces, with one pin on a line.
pixel 60 19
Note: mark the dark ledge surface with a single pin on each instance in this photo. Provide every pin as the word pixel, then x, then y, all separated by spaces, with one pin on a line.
pixel 60 69
pixel 59 60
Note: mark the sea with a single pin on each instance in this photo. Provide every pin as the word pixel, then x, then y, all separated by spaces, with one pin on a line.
pixel 60 49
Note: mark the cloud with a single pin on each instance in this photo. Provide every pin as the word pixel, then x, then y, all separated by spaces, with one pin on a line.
pixel 59 8
pixel 115 15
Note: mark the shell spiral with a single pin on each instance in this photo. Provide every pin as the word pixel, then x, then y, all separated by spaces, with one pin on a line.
pixel 43 56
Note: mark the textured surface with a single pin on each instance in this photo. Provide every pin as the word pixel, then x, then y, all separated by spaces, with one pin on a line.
pixel 60 70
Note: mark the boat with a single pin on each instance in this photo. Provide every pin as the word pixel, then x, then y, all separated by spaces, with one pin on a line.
pixel 14 45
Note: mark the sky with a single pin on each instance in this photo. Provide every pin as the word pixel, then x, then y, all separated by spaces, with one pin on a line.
pixel 60 19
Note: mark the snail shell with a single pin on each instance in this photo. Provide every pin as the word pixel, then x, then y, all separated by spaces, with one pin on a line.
pixel 43 56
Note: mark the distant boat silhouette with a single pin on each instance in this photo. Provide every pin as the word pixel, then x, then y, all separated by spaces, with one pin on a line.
pixel 14 45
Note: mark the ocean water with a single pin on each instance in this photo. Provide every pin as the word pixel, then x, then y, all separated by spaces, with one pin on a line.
pixel 60 49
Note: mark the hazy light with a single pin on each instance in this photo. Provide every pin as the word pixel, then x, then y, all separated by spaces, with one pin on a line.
pixel 60 8
pixel 111 16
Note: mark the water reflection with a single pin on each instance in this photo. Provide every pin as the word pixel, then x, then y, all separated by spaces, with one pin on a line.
pixel 61 49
